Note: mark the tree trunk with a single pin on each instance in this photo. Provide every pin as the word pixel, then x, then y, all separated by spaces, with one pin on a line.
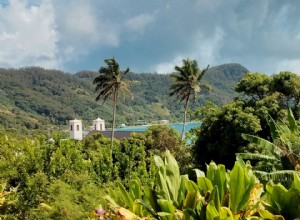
pixel 293 158
pixel 113 124
pixel 184 119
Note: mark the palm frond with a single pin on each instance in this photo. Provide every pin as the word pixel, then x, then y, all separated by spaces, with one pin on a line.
pixel 203 72
pixel 207 87
pixel 186 80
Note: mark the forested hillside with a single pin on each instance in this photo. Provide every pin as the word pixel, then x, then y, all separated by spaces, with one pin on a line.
pixel 36 98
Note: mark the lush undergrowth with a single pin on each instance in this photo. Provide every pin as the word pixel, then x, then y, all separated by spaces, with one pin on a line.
pixel 59 178
pixel 66 179
pixel 220 194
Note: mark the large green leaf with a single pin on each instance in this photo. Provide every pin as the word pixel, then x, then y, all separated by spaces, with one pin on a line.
pixel 135 193
pixel 291 206
pixel 166 206
pixel 253 156
pixel 269 146
pixel 214 197
pixel 173 178
pixel 217 175
pixel 199 173
pixel 283 201
pixel 292 122
pixel 135 189
pixel 168 177
pixel 152 198
pixel 296 182
pixel 276 196
pixel 128 200
pixel 226 214
pixel 148 208
pixel 191 186
pixel 110 200
pixel 268 215
pixel 191 200
pixel 204 184
pixel 211 212
pixel 241 185
pixel 276 176
pixel 181 192
pixel 160 178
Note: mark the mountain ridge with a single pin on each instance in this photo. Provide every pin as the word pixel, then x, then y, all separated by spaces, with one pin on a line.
pixel 35 98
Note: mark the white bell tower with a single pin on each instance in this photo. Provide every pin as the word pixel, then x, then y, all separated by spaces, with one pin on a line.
pixel 98 124
pixel 75 128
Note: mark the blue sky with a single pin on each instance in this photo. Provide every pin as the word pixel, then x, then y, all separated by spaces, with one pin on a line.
pixel 150 35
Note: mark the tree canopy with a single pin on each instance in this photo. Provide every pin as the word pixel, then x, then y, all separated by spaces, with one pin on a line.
pixel 219 137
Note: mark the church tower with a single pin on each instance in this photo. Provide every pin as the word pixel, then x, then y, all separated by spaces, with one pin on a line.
pixel 98 124
pixel 75 128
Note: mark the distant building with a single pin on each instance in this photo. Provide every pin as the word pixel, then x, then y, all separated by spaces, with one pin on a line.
pixel 77 133
pixel 75 129
pixel 164 122
pixel 98 124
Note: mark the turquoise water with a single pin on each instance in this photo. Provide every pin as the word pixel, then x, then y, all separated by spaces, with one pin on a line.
pixel 177 126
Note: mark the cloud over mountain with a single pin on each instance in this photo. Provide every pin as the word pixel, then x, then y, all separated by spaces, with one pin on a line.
pixel 150 36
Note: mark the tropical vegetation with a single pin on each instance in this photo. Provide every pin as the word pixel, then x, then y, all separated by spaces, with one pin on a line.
pixel 261 97
pixel 35 100
pixel 281 157
pixel 241 163
pixel 218 194
pixel 110 83
pixel 187 83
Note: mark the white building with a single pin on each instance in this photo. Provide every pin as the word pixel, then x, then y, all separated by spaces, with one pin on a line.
pixel 98 124
pixel 75 129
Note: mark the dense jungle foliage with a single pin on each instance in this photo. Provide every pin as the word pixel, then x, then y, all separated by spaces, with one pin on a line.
pixel 248 152
pixel 38 99
pixel 66 179
pixel 261 97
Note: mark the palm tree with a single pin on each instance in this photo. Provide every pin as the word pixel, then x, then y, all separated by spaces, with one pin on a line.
pixel 109 84
pixel 187 83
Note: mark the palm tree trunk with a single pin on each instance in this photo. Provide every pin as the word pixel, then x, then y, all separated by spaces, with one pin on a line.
pixel 113 124
pixel 184 119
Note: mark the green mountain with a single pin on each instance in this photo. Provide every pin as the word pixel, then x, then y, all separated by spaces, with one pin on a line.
pixel 35 98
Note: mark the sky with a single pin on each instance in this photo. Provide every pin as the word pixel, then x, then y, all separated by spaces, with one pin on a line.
pixel 150 35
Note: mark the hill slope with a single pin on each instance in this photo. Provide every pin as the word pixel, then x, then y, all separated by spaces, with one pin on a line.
pixel 34 97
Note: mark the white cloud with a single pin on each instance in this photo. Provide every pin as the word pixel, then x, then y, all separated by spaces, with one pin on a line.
pixel 148 36
pixel 139 22
pixel 28 35
pixel 289 65
pixel 204 49
pixel 168 67
pixel 83 27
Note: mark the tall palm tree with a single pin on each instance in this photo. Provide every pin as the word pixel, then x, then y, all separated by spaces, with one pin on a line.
pixel 110 83
pixel 187 82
